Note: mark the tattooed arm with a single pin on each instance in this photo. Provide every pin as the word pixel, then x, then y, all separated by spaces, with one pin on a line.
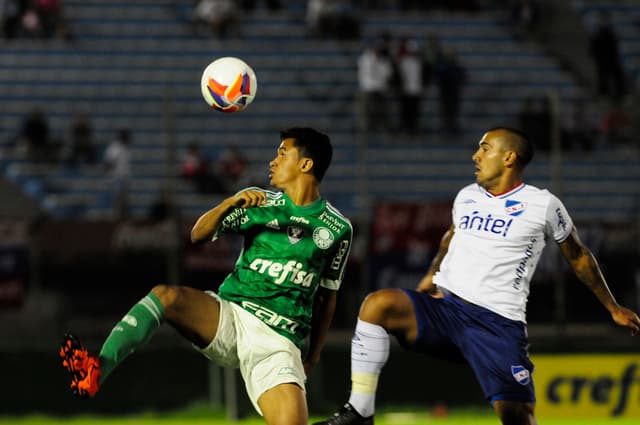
pixel 586 268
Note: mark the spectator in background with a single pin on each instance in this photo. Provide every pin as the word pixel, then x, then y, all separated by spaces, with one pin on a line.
pixel 410 66
pixel 332 19
pixel 579 132
pixel 117 160
pixel 524 18
pixel 10 16
pixel 35 139
pixel 81 147
pixel 50 13
pixel 30 24
pixel 234 170
pixel 615 125
pixel 217 17
pixel 534 119
pixel 195 167
pixel 451 77
pixel 606 58
pixel 376 72
pixel 250 5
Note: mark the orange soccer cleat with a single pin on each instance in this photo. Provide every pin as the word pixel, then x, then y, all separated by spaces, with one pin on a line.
pixel 83 367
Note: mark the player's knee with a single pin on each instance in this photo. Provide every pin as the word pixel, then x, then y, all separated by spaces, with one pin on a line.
pixel 168 296
pixel 378 306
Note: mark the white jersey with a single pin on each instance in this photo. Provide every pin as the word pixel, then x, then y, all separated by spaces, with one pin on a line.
pixel 497 243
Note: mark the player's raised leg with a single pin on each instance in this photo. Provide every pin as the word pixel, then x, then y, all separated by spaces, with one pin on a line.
pixel 382 312
pixel 192 312
pixel 284 404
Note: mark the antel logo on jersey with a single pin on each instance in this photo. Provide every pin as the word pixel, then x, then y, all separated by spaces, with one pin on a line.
pixel 291 271
pixel 322 237
pixel 514 208
pixel 490 224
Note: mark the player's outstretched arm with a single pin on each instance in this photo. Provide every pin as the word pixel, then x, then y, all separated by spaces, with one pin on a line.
pixel 209 222
pixel 426 284
pixel 588 270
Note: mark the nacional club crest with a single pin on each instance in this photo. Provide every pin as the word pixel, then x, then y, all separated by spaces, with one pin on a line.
pixel 520 374
pixel 295 234
pixel 514 208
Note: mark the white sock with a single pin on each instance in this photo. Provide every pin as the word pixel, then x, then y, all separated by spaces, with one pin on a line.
pixel 369 353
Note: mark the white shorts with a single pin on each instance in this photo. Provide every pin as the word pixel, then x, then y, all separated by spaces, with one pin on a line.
pixel 265 358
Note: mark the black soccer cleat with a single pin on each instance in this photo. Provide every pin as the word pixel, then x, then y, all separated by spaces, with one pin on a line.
pixel 347 416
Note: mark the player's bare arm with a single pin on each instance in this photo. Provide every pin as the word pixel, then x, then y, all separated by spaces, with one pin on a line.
pixel 426 284
pixel 323 308
pixel 209 222
pixel 587 269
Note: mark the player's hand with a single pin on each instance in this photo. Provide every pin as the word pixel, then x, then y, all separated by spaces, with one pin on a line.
pixel 427 286
pixel 248 199
pixel 310 363
pixel 625 317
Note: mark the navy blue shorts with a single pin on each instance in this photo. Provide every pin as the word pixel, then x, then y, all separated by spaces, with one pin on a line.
pixel 495 347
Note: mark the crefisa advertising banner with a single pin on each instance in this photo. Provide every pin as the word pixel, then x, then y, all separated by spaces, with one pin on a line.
pixel 587 385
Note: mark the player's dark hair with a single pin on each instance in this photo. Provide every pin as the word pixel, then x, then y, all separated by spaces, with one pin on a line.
pixel 311 144
pixel 519 142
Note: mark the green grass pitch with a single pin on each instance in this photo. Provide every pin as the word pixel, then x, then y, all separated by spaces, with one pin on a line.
pixel 202 416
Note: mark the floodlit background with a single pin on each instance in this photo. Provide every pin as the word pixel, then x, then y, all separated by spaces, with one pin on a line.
pixel 75 252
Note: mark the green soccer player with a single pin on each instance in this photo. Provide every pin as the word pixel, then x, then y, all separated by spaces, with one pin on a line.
pixel 281 291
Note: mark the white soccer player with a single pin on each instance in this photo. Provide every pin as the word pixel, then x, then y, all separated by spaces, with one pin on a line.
pixel 472 301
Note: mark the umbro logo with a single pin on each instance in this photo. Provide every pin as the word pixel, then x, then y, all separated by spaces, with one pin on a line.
pixel 273 224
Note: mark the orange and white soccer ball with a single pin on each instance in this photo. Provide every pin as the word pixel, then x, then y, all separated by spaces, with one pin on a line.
pixel 228 84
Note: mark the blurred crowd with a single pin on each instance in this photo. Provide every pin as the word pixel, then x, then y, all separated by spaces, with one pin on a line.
pixel 36 19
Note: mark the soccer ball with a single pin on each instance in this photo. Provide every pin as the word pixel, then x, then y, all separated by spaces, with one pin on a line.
pixel 228 84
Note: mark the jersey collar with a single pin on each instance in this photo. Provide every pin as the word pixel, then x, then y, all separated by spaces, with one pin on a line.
pixel 312 208
pixel 516 188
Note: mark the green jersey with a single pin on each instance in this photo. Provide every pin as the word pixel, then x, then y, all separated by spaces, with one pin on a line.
pixel 288 251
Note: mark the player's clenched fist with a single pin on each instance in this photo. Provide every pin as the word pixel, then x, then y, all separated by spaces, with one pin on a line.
pixel 248 199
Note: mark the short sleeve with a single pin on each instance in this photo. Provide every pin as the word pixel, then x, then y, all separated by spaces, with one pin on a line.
pixel 558 222
pixel 334 271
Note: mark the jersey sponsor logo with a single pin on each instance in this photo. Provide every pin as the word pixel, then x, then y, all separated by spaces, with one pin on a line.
pixel 520 374
pixel 342 251
pixel 295 234
pixel 273 224
pixel 236 218
pixel 299 219
pixel 331 222
pixel 291 271
pixel 322 237
pixel 514 208
pixel 490 224
pixel 469 201
pixel 271 318
pixel 273 203
pixel 522 265
pixel 561 220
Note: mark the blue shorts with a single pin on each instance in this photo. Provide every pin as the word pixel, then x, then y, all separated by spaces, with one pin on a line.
pixel 495 347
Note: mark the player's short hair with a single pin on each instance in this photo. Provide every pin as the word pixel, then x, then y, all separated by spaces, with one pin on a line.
pixel 311 144
pixel 519 142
